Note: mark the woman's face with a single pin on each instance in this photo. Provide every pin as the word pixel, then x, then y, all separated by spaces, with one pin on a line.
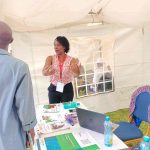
pixel 59 49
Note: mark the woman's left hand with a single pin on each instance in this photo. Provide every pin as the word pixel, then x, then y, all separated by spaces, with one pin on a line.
pixel 74 67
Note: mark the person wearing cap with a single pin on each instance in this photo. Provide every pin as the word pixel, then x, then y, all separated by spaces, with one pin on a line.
pixel 98 71
pixel 102 73
pixel 17 112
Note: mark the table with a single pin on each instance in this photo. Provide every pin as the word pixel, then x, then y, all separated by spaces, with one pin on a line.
pixel 99 138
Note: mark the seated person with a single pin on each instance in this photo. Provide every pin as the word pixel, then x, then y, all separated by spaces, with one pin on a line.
pixel 99 76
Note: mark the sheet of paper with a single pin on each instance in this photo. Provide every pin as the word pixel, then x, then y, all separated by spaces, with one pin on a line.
pixel 42 144
pixel 114 126
pixel 51 108
pixel 83 138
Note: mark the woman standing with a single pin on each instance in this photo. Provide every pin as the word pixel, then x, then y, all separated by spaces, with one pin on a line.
pixel 61 68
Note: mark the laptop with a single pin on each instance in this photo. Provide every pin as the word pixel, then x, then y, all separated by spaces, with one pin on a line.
pixel 91 120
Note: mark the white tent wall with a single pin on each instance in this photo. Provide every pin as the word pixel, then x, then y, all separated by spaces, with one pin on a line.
pixel 34 47
pixel 131 62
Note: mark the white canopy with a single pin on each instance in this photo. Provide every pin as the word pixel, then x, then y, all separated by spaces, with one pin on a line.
pixel 127 23
pixel 37 15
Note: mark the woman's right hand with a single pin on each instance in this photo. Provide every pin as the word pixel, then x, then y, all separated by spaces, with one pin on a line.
pixel 48 70
pixel 51 70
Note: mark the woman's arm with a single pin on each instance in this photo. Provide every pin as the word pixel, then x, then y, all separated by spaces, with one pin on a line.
pixel 47 69
pixel 75 67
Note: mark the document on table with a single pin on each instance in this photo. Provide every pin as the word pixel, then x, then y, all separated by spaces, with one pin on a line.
pixel 83 138
pixel 114 126
pixel 41 144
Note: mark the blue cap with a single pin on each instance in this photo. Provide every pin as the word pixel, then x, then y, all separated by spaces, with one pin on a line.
pixel 107 118
pixel 78 104
pixel 146 139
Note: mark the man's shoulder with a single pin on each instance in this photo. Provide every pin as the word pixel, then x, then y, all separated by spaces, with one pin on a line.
pixel 15 62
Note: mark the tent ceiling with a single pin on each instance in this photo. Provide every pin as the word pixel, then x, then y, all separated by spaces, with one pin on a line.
pixel 128 12
pixel 36 15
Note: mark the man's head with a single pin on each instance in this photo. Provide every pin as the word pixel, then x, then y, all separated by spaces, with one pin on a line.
pixel 5 35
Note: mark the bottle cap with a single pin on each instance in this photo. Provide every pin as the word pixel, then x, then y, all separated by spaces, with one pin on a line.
pixel 78 104
pixel 146 139
pixel 107 118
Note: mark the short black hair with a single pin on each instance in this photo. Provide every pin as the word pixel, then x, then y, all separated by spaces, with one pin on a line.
pixel 64 42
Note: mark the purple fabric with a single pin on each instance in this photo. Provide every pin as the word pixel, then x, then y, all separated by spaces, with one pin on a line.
pixel 134 96
pixel 149 114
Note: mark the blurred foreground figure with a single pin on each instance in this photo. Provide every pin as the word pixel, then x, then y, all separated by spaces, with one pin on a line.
pixel 17 112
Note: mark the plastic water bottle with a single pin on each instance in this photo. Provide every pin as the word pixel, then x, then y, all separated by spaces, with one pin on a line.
pixel 145 144
pixel 108 134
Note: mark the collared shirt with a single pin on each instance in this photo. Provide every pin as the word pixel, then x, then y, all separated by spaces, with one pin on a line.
pixel 17 112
